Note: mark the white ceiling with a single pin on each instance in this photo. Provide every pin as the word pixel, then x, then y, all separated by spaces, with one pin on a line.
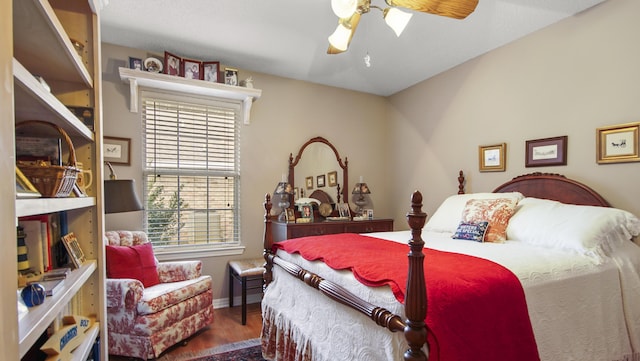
pixel 288 38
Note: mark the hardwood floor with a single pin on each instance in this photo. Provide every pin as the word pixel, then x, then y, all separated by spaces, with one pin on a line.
pixel 226 328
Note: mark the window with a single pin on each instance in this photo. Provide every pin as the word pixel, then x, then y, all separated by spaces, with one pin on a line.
pixel 191 171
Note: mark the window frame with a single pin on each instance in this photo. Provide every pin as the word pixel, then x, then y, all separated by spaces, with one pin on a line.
pixel 188 251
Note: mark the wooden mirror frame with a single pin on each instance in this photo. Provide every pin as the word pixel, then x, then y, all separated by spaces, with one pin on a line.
pixel 345 167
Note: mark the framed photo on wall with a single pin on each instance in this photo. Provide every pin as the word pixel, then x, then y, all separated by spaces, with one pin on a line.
pixel 117 150
pixel 618 143
pixel 333 178
pixel 309 182
pixel 493 157
pixel 545 152
pixel 320 180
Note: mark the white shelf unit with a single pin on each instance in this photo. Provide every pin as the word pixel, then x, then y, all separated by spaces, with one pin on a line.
pixel 42 31
pixel 37 320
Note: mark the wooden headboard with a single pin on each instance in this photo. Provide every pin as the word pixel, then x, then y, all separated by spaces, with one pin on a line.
pixel 555 187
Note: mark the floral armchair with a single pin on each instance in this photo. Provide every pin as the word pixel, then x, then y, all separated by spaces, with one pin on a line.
pixel 151 305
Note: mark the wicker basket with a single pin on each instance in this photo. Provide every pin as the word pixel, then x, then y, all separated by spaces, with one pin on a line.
pixel 52 181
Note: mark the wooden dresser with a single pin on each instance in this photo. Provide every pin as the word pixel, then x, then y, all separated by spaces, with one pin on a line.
pixel 282 230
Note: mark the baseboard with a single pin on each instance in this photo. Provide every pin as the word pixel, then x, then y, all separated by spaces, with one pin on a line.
pixel 237 301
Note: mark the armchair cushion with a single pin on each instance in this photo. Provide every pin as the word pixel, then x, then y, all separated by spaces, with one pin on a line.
pixel 176 271
pixel 164 295
pixel 136 262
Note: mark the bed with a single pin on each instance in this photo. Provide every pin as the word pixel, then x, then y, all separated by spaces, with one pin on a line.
pixel 576 268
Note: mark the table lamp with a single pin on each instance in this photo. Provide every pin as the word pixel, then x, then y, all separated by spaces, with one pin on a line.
pixel 361 188
pixel 283 191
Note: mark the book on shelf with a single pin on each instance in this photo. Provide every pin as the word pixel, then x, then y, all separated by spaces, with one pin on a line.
pixel 50 286
pixel 51 226
pixel 35 243
pixel 56 274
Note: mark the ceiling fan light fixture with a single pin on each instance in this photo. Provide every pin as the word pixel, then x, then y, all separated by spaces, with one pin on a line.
pixel 396 19
pixel 344 8
pixel 340 38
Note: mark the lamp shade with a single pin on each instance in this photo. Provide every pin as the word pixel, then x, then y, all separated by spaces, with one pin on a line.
pixel 397 19
pixel 283 188
pixel 120 196
pixel 361 188
pixel 344 8
pixel 340 38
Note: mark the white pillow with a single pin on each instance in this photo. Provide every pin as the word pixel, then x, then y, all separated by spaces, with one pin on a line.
pixel 588 230
pixel 449 214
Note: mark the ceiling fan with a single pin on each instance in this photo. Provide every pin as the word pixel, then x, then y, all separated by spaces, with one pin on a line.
pixel 350 11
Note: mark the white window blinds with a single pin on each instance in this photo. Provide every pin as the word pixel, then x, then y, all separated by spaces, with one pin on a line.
pixel 192 171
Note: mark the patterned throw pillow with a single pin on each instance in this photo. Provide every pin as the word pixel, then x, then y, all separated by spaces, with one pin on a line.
pixel 496 211
pixel 471 231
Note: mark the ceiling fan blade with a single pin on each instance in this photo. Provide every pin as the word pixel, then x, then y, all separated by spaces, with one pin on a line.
pixel 354 21
pixel 457 9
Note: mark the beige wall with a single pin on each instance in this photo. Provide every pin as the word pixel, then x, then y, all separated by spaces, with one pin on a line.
pixel 568 79
pixel 288 114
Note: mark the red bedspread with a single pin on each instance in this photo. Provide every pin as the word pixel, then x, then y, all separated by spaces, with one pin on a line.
pixel 476 308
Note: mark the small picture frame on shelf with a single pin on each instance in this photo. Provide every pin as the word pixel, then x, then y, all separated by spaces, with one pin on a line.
pixel 152 65
pixel 192 69
pixel 24 188
pixel 135 63
pixel 493 157
pixel 172 64
pixel 211 70
pixel 368 213
pixel 296 193
pixel 231 76
pixel 73 248
pixel 291 215
pixel 306 212
pixel 343 210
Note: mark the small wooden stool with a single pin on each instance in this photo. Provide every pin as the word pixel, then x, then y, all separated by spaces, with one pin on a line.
pixel 245 271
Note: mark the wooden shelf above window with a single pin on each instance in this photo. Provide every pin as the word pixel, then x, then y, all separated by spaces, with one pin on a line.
pixel 137 78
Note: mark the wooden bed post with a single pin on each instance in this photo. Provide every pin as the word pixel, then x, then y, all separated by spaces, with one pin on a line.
pixel 267 241
pixel 415 330
pixel 461 182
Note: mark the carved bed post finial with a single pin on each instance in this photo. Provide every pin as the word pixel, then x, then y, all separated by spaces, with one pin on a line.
pixel 268 241
pixel 461 182
pixel 415 304
pixel 338 190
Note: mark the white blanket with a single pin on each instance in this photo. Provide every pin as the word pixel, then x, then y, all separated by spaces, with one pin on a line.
pixel 576 303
